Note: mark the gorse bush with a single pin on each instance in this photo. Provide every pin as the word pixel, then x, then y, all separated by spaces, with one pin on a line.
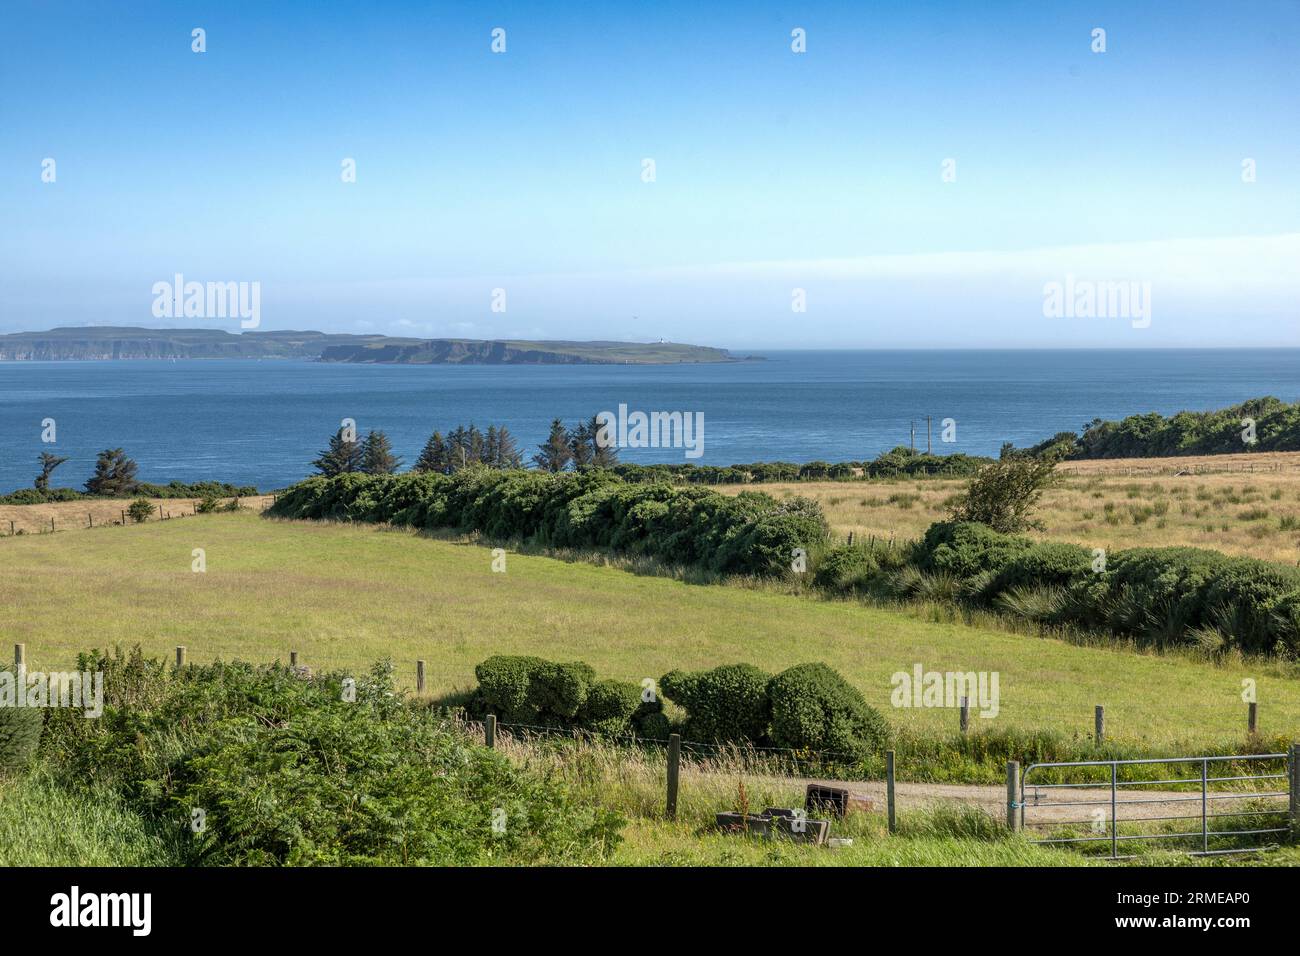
pixel 808 708
pixel 1160 596
pixel 536 692
pixel 814 708
pixel 750 533
pixel 1003 493
pixel 727 704
pixel 286 771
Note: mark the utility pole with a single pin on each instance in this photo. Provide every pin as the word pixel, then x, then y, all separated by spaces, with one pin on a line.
pixel 913 436
pixel 927 434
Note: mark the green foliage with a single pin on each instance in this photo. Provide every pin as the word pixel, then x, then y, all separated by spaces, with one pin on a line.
pixel 727 704
pixel 610 706
pixel 288 772
pixel 140 510
pixel 964 549
pixel 20 728
pixel 900 462
pixel 1003 493
pixel 207 504
pixel 503 683
pixel 749 533
pixel 814 708
pixel 1044 564
pixel 529 690
pixel 845 568
pixel 114 475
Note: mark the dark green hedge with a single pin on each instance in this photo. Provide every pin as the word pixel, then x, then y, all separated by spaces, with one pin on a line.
pixel 750 533
pixel 726 705
pixel 537 692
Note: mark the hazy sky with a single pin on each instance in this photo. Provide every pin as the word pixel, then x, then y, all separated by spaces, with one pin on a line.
pixel 774 170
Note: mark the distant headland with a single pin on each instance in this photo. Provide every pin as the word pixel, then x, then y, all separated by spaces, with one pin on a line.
pixel 93 343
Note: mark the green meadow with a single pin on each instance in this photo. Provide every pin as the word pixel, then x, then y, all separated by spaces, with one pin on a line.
pixel 345 595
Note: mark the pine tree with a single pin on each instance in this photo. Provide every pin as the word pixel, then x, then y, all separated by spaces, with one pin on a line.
pixel 475 442
pixel 580 446
pixel 433 457
pixel 507 454
pixel 377 456
pixel 342 457
pixel 48 463
pixel 490 447
pixel 554 455
pixel 114 474
pixel 602 455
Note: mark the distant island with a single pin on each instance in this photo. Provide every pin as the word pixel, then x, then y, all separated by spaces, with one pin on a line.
pixel 93 343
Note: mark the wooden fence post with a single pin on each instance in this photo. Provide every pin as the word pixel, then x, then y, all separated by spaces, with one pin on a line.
pixel 674 759
pixel 1252 717
pixel 293 658
pixel 490 731
pixel 965 714
pixel 20 656
pixel 1013 794
pixel 419 677
pixel 1099 725
pixel 889 790
pixel 180 656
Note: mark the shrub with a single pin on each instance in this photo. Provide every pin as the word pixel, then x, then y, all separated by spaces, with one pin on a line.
pixel 207 504
pixel 290 774
pixel 558 691
pixel 20 729
pixel 727 704
pixel 845 568
pixel 503 683
pixel 965 549
pixel 140 510
pixel 814 708
pixel 1050 564
pixel 610 706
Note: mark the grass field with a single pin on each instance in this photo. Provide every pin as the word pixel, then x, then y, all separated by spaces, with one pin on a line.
pixel 1103 504
pixel 343 596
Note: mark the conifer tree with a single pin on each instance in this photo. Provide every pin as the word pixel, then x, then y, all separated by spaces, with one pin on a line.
pixel 340 458
pixel 377 456
pixel 553 455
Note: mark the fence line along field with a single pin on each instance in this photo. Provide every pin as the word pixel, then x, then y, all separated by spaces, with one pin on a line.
pixel 347 595
pixel 1211 501
pixel 87 513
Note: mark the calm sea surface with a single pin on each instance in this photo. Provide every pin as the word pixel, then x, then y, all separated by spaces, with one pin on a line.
pixel 263 422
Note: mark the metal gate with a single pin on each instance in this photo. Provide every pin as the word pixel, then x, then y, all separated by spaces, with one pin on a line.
pixel 1245 801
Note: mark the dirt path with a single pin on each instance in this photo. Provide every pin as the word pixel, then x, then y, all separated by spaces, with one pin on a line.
pixel 1044 806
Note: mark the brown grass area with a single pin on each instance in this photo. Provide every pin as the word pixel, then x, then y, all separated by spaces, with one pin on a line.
pixel 1239 504
pixel 98 512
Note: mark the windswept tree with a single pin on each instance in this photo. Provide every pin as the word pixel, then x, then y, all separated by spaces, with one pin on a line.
pixel 48 463
pixel 114 475
pixel 581 446
pixel 343 456
pixel 433 457
pixel 377 456
pixel 554 454
pixel 1003 494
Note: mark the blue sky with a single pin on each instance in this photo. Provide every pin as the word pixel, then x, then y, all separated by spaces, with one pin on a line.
pixel 774 170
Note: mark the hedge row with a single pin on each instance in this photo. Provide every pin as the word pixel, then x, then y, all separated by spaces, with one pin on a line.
pixel 536 692
pixel 175 489
pixel 808 707
pixel 1162 596
pixel 749 533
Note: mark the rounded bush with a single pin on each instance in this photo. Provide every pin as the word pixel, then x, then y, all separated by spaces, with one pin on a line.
pixel 814 708
pixel 609 706
pixel 503 684
pixel 845 568
pixel 1052 564
pixel 559 690
pixel 965 548
pixel 727 704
